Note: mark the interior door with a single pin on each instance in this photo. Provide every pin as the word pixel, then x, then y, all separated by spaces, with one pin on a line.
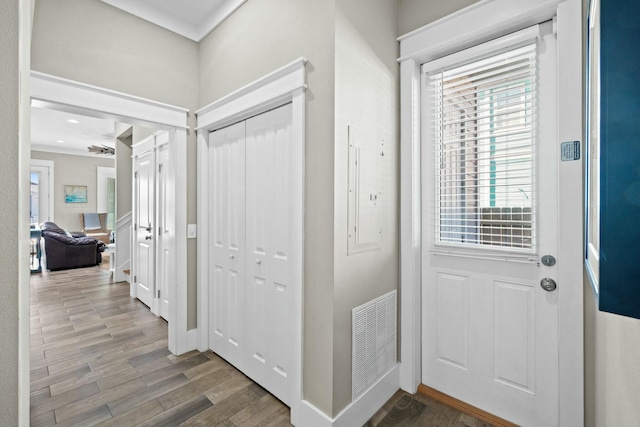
pixel 164 247
pixel 144 220
pixel 490 330
pixel 227 313
pixel 269 292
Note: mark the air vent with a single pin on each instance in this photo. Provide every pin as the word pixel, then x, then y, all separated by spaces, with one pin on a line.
pixel 374 342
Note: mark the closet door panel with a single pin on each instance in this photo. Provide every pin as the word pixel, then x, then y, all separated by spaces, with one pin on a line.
pixel 268 162
pixel 227 243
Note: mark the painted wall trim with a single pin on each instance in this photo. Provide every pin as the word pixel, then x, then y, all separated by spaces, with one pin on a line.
pixel 254 98
pixel 72 96
pixel 483 21
pixel 358 412
pixel 67 95
pixel 487 20
pixel 50 164
pixel 287 84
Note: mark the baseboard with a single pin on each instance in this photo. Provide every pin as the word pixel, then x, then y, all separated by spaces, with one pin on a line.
pixel 464 407
pixel 358 412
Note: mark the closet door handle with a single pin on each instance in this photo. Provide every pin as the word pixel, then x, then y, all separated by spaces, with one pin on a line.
pixel 232 256
pixel 258 262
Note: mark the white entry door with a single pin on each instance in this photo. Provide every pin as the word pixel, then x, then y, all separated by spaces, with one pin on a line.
pixel 490 187
pixel 144 251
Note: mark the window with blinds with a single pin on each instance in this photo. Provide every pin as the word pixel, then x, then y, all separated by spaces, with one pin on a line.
pixel 483 122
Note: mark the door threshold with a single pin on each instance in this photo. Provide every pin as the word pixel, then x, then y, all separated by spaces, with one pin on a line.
pixel 464 407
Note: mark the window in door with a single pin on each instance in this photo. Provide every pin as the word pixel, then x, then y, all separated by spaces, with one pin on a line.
pixel 483 117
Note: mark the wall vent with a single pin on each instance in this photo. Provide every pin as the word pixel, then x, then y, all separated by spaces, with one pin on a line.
pixel 374 342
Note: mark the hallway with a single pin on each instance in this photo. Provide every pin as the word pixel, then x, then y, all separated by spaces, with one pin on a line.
pixel 99 357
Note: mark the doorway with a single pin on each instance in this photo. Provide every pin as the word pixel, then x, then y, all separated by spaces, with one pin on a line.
pixel 484 22
pixel 61 94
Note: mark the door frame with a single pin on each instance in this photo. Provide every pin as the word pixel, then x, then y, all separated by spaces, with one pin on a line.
pixel 102 174
pixel 61 94
pixel 49 165
pixel 484 21
pixel 285 85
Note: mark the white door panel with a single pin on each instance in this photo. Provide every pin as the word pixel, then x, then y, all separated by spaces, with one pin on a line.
pixel 490 332
pixel 163 233
pixel 144 218
pixel 269 297
pixel 153 258
pixel 227 240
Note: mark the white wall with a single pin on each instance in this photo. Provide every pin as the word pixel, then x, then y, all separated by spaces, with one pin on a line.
pixel 123 169
pixel 73 170
pixel 92 42
pixel 257 39
pixel 366 79
pixel 612 367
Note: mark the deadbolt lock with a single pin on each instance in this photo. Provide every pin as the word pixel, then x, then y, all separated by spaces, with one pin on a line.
pixel 548 260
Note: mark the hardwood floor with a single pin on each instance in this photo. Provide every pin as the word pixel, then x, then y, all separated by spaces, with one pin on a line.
pixel 99 357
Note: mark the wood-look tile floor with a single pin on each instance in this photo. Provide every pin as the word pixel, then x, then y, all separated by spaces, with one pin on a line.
pixel 99 357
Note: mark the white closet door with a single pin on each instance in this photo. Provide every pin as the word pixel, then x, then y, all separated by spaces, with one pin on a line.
pixel 227 243
pixel 268 251
pixel 144 191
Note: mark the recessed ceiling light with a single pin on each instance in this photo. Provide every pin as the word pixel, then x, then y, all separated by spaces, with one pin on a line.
pixel 60 141
pixel 74 121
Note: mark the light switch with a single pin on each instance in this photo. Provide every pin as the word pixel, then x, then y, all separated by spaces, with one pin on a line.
pixel 192 231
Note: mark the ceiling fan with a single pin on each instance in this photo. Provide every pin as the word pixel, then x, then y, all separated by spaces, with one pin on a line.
pixel 109 151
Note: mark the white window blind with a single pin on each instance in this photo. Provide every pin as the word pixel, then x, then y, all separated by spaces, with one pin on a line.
pixel 483 126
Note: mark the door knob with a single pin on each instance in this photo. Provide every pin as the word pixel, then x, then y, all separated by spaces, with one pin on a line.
pixel 258 262
pixel 147 237
pixel 148 228
pixel 232 256
pixel 548 284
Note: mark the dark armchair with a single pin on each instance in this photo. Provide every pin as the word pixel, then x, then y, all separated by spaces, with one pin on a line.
pixel 69 250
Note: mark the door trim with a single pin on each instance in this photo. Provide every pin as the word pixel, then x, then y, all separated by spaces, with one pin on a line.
pixel 61 94
pixel 483 21
pixel 49 164
pixel 287 84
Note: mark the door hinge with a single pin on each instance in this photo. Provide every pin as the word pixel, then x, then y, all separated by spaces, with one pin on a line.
pixel 135 226
pixel 158 296
pixel 135 279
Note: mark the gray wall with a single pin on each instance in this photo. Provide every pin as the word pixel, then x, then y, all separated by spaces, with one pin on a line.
pixel 10 234
pixel 123 169
pixel 414 14
pixel 92 42
pixel 257 39
pixel 366 101
pixel 73 170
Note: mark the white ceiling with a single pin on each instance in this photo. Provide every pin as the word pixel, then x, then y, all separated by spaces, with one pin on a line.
pixel 193 19
pixel 48 127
